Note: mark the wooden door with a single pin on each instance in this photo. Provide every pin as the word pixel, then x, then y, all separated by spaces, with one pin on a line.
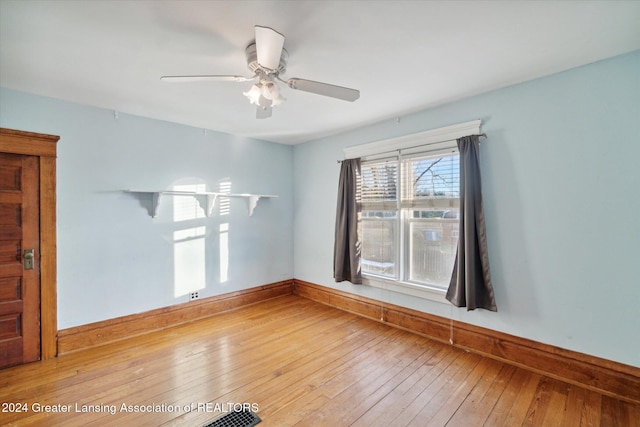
pixel 19 282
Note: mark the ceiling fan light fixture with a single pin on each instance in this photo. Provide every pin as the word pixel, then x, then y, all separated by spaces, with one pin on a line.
pixel 272 91
pixel 254 93
pixel 269 90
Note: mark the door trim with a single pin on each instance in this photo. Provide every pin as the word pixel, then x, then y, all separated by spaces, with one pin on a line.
pixel 45 147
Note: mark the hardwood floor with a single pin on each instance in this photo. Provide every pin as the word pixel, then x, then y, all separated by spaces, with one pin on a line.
pixel 296 362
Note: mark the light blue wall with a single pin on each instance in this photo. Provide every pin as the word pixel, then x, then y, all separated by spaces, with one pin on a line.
pixel 113 258
pixel 561 178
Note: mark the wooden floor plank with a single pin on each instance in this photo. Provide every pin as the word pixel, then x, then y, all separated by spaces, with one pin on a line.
pixel 300 363
pixel 432 396
pixel 486 368
pixel 634 415
pixel 501 410
pixel 574 406
pixel 479 403
pixel 386 410
pixel 538 407
pixel 354 351
pixel 611 413
pixel 557 404
pixel 347 382
pixel 362 395
pixel 592 410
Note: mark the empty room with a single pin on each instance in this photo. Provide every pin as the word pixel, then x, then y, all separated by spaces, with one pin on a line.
pixel 319 213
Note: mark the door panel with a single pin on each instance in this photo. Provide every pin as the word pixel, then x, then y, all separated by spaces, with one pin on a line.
pixel 19 287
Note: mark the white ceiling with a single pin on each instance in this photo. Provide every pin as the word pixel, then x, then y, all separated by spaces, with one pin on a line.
pixel 403 56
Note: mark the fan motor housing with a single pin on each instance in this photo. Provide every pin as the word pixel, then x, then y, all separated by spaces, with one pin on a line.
pixel 255 67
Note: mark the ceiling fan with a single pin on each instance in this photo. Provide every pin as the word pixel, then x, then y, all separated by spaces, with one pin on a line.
pixel 267 59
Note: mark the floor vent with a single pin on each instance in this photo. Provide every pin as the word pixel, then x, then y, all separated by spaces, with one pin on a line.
pixel 244 418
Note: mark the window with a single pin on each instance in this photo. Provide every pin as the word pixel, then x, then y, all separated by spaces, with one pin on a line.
pixel 410 202
pixel 410 217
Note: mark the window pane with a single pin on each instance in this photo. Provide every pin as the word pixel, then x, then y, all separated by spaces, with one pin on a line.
pixel 379 243
pixel 431 182
pixel 432 242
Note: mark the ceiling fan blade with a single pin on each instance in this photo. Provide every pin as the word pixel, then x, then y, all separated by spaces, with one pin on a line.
pixel 264 110
pixel 325 89
pixel 269 45
pixel 205 78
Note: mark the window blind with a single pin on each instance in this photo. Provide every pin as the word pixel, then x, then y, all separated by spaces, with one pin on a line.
pixel 379 185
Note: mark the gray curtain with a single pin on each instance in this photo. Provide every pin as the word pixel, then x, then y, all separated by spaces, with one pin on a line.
pixel 348 244
pixel 470 284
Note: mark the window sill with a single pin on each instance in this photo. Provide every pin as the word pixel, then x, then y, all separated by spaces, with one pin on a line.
pixel 424 292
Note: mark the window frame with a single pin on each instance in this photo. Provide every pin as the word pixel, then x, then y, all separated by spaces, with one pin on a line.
pixel 401 280
pixel 435 141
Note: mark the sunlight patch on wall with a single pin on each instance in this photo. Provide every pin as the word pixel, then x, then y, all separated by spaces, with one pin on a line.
pixel 189 260
pixel 189 251
pixel 224 203
pixel 187 207
pixel 224 208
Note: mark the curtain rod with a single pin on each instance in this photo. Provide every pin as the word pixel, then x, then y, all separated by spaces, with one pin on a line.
pixel 484 135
